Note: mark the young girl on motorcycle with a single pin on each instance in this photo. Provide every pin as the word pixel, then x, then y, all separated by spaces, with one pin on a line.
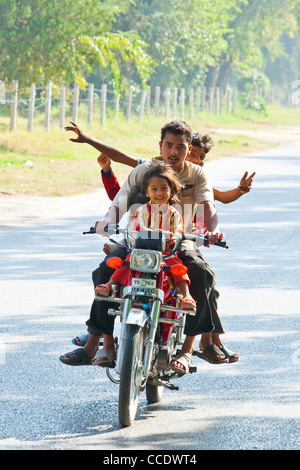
pixel 161 187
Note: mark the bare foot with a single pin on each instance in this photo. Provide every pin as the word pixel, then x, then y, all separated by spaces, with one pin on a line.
pixel 109 248
pixel 102 289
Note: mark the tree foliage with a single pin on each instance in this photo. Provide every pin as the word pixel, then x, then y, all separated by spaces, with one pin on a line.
pixel 42 40
pixel 183 37
pixel 159 42
pixel 256 36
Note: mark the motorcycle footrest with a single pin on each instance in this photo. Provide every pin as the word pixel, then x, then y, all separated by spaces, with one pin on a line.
pixel 170 386
pixel 112 312
pixel 110 365
pixel 173 387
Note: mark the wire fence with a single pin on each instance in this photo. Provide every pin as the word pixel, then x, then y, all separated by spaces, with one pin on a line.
pixel 54 105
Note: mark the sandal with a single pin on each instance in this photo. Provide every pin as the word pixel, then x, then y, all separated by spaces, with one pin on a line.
pixel 103 290
pixel 78 357
pixel 81 340
pixel 210 354
pixel 187 303
pixel 231 356
pixel 108 358
pixel 185 360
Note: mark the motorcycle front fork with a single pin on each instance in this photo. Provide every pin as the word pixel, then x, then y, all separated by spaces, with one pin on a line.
pixel 148 340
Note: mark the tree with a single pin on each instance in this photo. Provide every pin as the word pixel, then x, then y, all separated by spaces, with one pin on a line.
pixel 255 39
pixel 62 40
pixel 183 37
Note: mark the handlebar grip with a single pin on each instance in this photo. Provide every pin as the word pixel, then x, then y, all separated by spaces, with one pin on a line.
pixel 92 230
pixel 109 228
pixel 220 243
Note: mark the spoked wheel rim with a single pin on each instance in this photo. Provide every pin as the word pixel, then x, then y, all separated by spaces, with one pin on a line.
pixel 131 375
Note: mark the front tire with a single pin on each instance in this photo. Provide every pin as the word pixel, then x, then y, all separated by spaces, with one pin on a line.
pixel 131 375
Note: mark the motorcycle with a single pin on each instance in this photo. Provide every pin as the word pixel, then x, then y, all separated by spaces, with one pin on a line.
pixel 152 321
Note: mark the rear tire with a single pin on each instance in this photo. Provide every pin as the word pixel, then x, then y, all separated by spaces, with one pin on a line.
pixel 131 375
pixel 154 393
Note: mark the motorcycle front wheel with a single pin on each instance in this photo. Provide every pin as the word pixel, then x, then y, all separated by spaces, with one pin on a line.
pixel 131 375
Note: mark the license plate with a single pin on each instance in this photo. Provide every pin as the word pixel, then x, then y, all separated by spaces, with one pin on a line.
pixel 143 283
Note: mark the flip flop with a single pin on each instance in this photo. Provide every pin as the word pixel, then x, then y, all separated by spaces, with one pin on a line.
pixel 191 304
pixel 229 354
pixel 78 357
pixel 104 287
pixel 103 353
pixel 82 340
pixel 185 360
pixel 210 354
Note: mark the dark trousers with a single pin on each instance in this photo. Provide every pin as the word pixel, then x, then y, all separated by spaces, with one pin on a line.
pixel 99 321
pixel 202 289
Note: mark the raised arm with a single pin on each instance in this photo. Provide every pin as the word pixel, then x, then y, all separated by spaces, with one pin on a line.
pixel 109 179
pixel 233 194
pixel 212 223
pixel 113 153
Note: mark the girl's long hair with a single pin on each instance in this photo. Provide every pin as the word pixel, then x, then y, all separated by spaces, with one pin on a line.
pixel 138 193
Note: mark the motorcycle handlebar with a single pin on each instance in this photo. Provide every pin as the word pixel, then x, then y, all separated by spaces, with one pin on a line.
pixel 116 229
pixel 109 228
pixel 221 243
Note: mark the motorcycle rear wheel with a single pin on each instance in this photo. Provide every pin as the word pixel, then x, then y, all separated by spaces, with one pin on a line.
pixel 131 375
pixel 154 393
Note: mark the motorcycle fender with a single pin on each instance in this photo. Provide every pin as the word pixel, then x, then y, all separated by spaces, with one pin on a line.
pixel 137 317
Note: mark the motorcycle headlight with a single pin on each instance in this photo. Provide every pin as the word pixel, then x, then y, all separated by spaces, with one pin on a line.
pixel 145 260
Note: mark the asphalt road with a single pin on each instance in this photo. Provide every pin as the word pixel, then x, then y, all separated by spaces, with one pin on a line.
pixel 46 292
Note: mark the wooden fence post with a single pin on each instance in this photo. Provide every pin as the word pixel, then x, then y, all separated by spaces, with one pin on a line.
pixel 14 105
pixel 191 103
pixel 167 95
pixel 203 99
pixel 174 108
pixel 181 102
pixel 228 99
pixel 90 103
pixel 148 102
pixel 62 106
pixel 222 97
pixel 31 108
pixel 217 100
pixel 156 102
pixel 103 104
pixel 142 105
pixel 117 103
pixel 197 100
pixel 2 92
pixel 234 101
pixel 211 99
pixel 75 102
pixel 48 106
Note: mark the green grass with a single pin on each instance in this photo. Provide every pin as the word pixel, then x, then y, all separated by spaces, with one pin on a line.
pixel 61 167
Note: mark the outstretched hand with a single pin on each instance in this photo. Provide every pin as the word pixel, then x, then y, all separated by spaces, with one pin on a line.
pixel 81 138
pixel 246 182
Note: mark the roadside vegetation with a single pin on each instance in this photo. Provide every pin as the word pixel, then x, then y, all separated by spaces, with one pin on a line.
pixel 42 163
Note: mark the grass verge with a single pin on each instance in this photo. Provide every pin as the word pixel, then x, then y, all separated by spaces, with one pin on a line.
pixel 41 163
